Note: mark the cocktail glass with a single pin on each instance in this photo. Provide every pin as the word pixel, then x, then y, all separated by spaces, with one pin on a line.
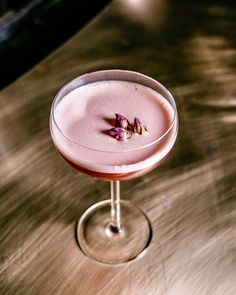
pixel 114 231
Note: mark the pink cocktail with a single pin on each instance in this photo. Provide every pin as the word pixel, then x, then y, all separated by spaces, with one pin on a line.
pixel 82 114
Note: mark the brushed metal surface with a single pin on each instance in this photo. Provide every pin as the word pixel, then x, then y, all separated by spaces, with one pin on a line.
pixel 190 47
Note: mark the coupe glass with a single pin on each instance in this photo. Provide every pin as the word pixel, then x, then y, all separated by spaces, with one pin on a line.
pixel 113 231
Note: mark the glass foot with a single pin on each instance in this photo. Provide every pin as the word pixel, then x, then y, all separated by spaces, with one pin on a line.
pixel 101 241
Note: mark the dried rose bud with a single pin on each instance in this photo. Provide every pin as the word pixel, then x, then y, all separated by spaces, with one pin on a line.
pixel 119 133
pixel 138 126
pixel 121 121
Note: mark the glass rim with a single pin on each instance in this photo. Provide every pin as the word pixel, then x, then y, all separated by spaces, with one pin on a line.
pixel 120 71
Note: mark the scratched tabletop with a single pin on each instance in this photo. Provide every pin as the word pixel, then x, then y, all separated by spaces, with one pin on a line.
pixel 190 47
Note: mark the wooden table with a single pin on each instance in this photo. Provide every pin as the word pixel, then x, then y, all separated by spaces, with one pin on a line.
pixel 190 47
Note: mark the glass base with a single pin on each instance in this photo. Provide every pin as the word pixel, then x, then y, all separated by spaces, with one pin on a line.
pixel 99 240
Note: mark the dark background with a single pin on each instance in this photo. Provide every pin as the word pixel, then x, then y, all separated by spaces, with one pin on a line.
pixel 31 29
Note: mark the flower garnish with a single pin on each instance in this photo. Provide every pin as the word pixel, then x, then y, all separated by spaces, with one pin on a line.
pixel 119 133
pixel 124 128
pixel 121 121
pixel 138 126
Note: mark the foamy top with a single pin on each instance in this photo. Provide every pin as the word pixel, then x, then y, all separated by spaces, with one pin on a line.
pixel 84 117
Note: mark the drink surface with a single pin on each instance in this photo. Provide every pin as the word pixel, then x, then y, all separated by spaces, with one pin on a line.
pixel 85 115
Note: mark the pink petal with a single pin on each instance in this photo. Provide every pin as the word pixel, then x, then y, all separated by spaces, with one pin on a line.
pixel 138 126
pixel 121 121
pixel 119 133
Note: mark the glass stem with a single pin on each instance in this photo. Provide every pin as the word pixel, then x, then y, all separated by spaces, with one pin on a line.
pixel 115 207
